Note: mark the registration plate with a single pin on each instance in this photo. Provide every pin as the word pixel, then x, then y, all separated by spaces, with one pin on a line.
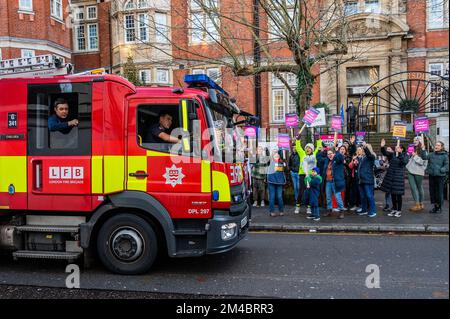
pixel 244 222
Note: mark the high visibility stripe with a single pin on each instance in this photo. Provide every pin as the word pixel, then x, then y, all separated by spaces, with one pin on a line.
pixel 156 153
pixel 114 173
pixel 4 207
pixel 97 175
pixel 13 171
pixel 206 177
pixel 135 164
pixel 186 146
pixel 185 116
pixel 221 184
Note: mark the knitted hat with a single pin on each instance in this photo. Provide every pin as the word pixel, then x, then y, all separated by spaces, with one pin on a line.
pixel 317 170
pixel 310 145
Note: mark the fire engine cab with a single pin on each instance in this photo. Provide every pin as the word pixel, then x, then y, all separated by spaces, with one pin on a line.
pixel 104 187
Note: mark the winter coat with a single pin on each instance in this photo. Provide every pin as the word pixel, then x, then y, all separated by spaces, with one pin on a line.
pixel 394 181
pixel 365 168
pixel 314 189
pixel 416 165
pixel 294 162
pixel 302 153
pixel 337 168
pixel 276 177
pixel 437 163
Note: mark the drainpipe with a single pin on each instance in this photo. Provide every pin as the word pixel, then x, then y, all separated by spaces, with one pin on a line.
pixel 257 59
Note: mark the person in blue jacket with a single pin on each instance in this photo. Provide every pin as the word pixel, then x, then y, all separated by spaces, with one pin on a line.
pixel 334 179
pixel 59 122
pixel 313 182
pixel 366 180
pixel 276 181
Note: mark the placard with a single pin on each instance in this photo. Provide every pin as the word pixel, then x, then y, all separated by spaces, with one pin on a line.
pixel 310 116
pixel 421 125
pixel 291 120
pixel 399 130
pixel 411 148
pixel 360 137
pixel 250 131
pixel 328 140
pixel 336 123
pixel 284 141
pixel 321 119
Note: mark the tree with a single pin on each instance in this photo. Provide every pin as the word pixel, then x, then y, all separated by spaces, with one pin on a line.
pixel 291 36
pixel 130 71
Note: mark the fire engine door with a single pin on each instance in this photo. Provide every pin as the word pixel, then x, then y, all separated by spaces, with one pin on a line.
pixel 59 152
pixel 172 172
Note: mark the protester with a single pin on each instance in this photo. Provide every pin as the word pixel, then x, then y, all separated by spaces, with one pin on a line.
pixel 365 162
pixel 352 198
pixel 416 171
pixel 294 166
pixel 321 158
pixel 334 181
pixel 437 170
pixel 313 182
pixel 276 181
pixel 259 175
pixel 394 181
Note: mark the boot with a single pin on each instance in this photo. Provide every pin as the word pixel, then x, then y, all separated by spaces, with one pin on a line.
pixel 433 211
pixel 415 208
pixel 421 206
pixel 438 209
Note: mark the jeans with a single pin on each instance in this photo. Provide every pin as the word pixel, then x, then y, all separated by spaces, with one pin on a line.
pixel 388 199
pixel 301 188
pixel 295 183
pixel 437 189
pixel 275 191
pixel 330 190
pixel 367 198
pixel 315 211
pixel 259 189
pixel 415 181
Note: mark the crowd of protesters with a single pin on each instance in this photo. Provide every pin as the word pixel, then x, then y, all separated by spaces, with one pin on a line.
pixel 340 177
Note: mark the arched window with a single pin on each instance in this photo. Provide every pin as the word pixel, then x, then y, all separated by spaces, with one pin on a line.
pixel 129 5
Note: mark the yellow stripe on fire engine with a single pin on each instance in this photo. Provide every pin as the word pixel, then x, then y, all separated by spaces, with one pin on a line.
pixel 221 184
pixel 114 173
pixel 13 170
pixel 156 153
pixel 135 164
pixel 97 175
pixel 185 115
pixel 206 177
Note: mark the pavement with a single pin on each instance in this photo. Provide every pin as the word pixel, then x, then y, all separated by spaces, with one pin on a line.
pixel 409 222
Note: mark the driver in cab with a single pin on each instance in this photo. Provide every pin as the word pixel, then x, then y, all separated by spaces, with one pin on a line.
pixel 160 132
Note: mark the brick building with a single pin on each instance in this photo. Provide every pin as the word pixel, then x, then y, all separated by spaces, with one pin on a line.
pixel 29 28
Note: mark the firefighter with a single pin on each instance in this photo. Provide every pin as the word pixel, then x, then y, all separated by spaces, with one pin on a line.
pixel 60 120
pixel 160 132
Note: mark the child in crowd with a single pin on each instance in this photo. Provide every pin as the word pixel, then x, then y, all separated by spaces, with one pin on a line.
pixel 313 183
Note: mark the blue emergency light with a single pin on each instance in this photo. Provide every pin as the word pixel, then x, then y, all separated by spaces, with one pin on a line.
pixel 202 80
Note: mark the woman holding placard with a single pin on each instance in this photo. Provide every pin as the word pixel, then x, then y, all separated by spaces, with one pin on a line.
pixel 276 180
pixel 416 171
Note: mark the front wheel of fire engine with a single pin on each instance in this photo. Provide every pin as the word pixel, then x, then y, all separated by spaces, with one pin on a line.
pixel 127 244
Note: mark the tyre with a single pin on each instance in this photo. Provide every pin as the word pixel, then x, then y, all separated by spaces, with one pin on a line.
pixel 127 244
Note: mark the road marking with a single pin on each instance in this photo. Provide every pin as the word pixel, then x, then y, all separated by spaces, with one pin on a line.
pixel 347 234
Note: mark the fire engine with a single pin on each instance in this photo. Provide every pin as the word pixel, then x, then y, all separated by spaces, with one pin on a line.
pixel 102 189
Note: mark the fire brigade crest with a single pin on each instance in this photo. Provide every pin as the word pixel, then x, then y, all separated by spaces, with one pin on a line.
pixel 174 175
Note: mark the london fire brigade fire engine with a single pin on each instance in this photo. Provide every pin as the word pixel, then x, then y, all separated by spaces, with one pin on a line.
pixel 103 187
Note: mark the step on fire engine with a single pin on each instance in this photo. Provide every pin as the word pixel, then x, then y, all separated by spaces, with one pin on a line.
pixel 104 186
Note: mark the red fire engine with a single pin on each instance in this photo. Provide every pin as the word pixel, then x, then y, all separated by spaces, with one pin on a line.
pixel 101 188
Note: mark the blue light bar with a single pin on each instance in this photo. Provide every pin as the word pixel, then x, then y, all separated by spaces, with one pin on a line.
pixel 202 80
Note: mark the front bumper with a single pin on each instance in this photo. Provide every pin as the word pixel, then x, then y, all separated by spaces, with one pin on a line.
pixel 215 243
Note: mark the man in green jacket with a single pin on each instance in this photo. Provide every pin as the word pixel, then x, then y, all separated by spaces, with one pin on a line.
pixel 307 162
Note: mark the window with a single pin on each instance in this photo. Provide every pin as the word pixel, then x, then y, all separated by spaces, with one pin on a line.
pixel 143 3
pixel 80 37
pixel 213 73
pixel 438 101
pixel 78 13
pixel 76 141
pixel 145 76
pixel 129 28
pixel 437 14
pixel 56 9
pixel 26 5
pixel 372 6
pixel 143 27
pixel 282 101
pixel 92 13
pixel 274 25
pixel 162 76
pixel 162 31
pixel 129 5
pixel 27 53
pixel 204 25
pixel 93 36
pixel 436 69
pixel 351 7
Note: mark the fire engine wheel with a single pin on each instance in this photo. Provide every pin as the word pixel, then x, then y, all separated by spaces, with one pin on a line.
pixel 127 244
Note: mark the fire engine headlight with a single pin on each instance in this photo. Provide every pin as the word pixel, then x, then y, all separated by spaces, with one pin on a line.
pixel 229 231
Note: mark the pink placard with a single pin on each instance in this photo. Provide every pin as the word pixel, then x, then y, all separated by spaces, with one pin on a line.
pixel 310 116
pixel 291 120
pixel 336 123
pixel 411 149
pixel 421 124
pixel 284 141
pixel 250 131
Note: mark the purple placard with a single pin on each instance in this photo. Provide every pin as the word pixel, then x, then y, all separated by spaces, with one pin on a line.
pixel 336 123
pixel 310 116
pixel 250 131
pixel 284 141
pixel 360 137
pixel 291 120
pixel 411 148
pixel 421 124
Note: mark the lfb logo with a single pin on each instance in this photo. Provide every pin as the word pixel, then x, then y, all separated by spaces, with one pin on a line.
pixel 66 172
